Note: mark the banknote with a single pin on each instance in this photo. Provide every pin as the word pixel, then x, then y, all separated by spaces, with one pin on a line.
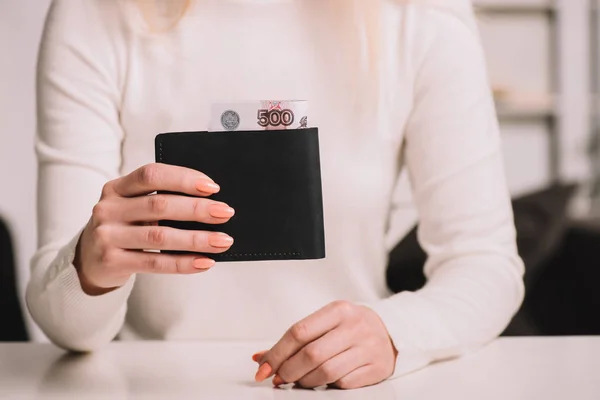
pixel 259 115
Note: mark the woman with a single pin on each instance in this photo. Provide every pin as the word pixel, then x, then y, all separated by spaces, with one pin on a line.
pixel 392 85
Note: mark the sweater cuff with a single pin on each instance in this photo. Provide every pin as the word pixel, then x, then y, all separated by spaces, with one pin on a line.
pixel 69 298
pixel 411 338
pixel 76 299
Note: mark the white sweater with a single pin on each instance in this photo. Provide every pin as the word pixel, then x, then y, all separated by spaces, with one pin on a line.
pixel 106 87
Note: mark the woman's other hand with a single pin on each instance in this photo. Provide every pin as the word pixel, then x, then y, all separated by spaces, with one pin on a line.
pixel 342 344
pixel 125 222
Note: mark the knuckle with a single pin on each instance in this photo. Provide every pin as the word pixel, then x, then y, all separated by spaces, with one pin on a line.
pixel 107 189
pixel 198 241
pixel 156 236
pixel 101 235
pixel 148 174
pixel 179 266
pixel 108 258
pixel 299 332
pixel 313 354
pixel 285 374
pixel 362 326
pixel 157 205
pixel 343 307
pixel 327 373
pixel 345 383
pixel 153 264
pixel 199 209
pixel 100 212
pixel 360 330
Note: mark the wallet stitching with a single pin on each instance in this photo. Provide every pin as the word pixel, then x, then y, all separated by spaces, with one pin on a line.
pixel 260 254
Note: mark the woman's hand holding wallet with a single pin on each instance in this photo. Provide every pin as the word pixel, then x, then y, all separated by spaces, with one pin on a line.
pixel 125 222
pixel 273 180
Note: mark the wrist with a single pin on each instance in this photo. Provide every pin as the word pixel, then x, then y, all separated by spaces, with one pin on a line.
pixel 86 286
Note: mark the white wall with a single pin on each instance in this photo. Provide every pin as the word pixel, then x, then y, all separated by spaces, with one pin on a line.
pixel 517 51
pixel 20 29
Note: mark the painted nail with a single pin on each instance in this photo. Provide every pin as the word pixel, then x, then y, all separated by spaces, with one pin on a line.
pixel 220 210
pixel 220 240
pixel 258 356
pixel 207 186
pixel 203 263
pixel 263 373
pixel 277 381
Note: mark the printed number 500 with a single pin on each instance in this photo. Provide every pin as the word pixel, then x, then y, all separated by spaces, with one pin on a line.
pixel 275 117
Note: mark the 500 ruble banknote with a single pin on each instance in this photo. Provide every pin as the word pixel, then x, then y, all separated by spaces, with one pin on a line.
pixel 259 115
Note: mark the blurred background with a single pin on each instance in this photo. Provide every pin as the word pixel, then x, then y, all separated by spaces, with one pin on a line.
pixel 544 68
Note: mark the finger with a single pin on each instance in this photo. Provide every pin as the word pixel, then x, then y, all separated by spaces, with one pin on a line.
pixel 314 354
pixel 334 369
pixel 258 356
pixel 264 371
pixel 364 376
pixel 172 207
pixel 305 331
pixel 157 263
pixel 163 177
pixel 164 238
pixel 277 381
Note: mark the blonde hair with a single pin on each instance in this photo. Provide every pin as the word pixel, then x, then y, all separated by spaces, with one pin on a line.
pixel 363 22
pixel 163 15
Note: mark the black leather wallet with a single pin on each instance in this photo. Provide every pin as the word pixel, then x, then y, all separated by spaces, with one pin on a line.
pixel 271 178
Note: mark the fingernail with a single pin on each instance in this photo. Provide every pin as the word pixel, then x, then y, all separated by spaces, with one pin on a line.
pixel 220 210
pixel 258 356
pixel 203 263
pixel 263 373
pixel 277 381
pixel 221 240
pixel 207 186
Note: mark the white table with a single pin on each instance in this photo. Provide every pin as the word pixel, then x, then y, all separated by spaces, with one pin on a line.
pixel 508 369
